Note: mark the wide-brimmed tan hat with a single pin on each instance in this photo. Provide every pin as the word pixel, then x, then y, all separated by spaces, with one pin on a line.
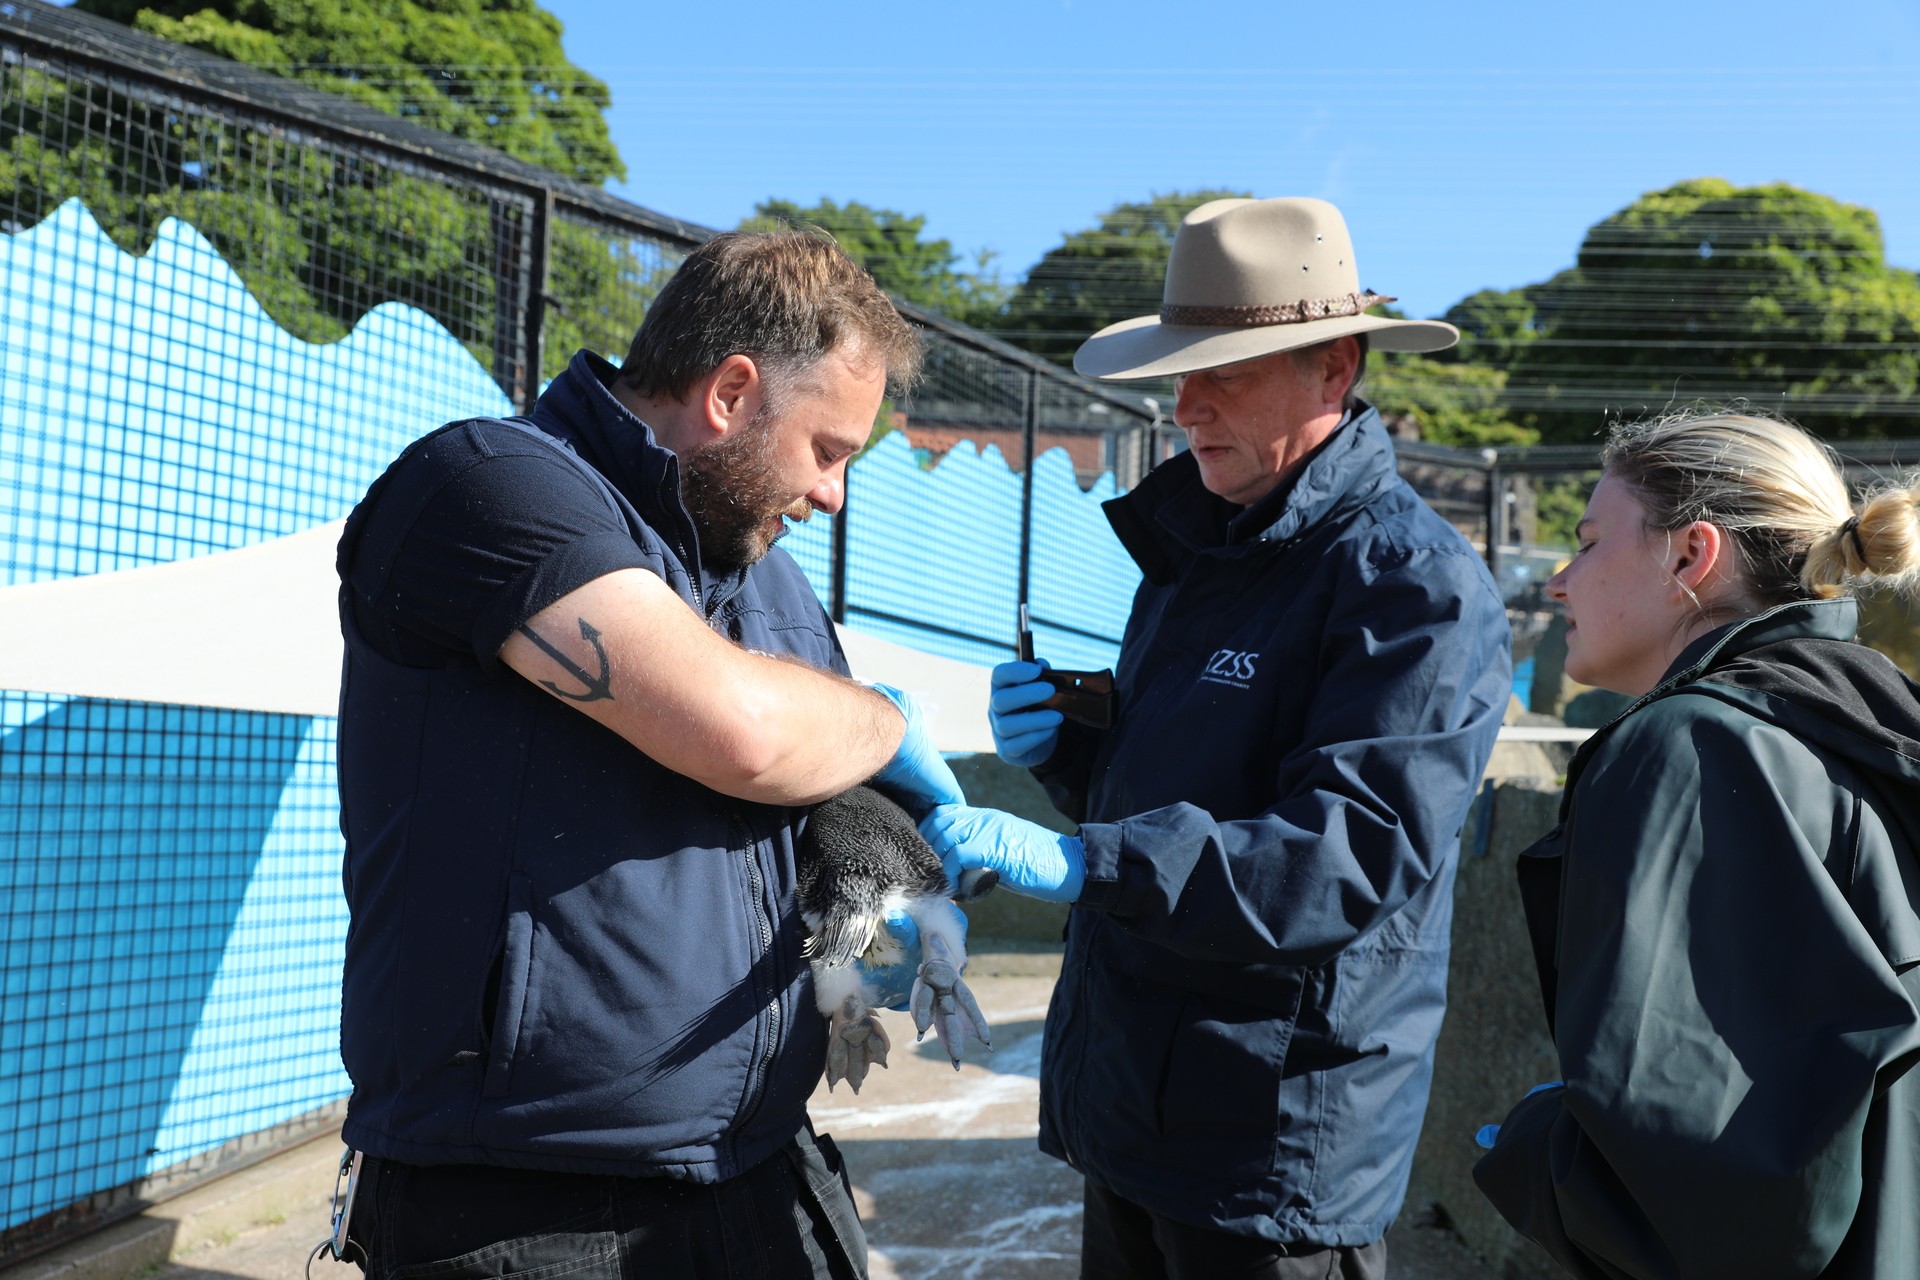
pixel 1248 278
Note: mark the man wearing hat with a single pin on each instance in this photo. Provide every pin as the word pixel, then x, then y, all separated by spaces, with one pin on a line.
pixel 1239 1050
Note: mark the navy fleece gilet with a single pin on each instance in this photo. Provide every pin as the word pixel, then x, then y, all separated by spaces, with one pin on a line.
pixel 563 955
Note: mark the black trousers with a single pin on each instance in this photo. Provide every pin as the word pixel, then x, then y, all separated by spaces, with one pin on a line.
pixel 1122 1241
pixel 791 1217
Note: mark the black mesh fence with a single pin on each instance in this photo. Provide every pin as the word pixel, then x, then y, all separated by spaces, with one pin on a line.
pixel 320 227
pixel 227 300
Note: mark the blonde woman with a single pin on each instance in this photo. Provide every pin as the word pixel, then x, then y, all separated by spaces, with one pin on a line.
pixel 1727 919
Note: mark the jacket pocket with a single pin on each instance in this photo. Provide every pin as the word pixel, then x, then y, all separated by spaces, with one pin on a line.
pixel 1221 1099
pixel 516 975
pixel 579 1256
pixel 1110 1089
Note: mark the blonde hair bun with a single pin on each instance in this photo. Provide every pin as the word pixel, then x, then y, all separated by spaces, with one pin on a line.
pixel 1779 492
pixel 1882 541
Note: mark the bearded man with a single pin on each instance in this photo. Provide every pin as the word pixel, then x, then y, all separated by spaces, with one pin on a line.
pixel 586 705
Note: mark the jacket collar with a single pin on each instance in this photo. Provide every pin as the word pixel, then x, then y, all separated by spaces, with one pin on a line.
pixel 1170 515
pixel 579 408
pixel 1802 619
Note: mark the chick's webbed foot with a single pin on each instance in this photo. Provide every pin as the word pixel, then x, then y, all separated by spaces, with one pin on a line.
pixel 855 1042
pixel 941 1000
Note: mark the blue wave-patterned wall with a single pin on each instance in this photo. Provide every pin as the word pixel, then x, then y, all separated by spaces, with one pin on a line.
pixel 942 547
pixel 153 411
pixel 171 935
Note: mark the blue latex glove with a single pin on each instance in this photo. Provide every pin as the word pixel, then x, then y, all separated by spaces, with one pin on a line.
pixel 1020 736
pixel 917 777
pixel 889 986
pixel 1031 859
pixel 1490 1133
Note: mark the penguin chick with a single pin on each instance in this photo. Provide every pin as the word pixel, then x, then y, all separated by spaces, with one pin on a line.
pixel 860 858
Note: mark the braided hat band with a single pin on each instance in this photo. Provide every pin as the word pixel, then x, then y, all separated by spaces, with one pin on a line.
pixel 1347 304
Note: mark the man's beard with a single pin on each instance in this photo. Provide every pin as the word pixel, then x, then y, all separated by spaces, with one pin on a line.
pixel 733 491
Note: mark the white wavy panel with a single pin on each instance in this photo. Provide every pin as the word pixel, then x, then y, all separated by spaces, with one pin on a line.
pixel 255 629
pixel 151 410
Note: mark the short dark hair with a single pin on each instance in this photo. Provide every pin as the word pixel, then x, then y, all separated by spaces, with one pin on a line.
pixel 784 298
pixel 1352 399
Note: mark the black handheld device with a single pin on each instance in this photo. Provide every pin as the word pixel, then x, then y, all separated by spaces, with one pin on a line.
pixel 1085 697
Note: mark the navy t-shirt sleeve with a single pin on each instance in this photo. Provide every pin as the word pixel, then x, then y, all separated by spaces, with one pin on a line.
pixel 470 533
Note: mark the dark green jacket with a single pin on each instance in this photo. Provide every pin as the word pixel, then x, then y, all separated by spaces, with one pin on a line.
pixel 1727 923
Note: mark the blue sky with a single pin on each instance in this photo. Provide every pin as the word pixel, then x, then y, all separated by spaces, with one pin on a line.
pixel 1470 145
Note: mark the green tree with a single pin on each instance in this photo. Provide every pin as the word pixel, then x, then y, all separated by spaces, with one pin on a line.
pixel 1494 325
pixel 492 71
pixel 599 288
pixel 297 225
pixel 1096 277
pixel 1558 504
pixel 1455 402
pixel 890 246
pixel 1710 292
pixel 321 235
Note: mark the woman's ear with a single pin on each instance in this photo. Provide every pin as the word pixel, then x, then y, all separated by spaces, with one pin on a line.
pixel 1700 559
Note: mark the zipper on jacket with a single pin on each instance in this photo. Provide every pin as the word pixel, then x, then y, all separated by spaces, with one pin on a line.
pixel 693 577
pixel 756 885
pixel 1072 1144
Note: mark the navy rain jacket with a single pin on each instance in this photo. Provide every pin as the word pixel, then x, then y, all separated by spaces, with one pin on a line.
pixel 563 955
pixel 1242 1037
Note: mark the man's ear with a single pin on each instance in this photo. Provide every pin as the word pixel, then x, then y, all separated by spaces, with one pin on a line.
pixel 1339 363
pixel 727 397
pixel 1700 558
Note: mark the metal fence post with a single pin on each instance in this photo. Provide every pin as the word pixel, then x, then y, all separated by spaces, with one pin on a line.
pixel 837 587
pixel 1496 517
pixel 509 301
pixel 1496 511
pixel 539 240
pixel 1029 435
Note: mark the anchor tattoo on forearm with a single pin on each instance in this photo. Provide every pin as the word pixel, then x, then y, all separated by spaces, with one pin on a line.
pixel 597 687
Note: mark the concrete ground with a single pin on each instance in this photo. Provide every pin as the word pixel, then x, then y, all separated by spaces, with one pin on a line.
pixel 946 1174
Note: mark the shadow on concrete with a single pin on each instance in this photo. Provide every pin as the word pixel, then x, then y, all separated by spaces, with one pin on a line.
pixel 1016 1050
pixel 996 1209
